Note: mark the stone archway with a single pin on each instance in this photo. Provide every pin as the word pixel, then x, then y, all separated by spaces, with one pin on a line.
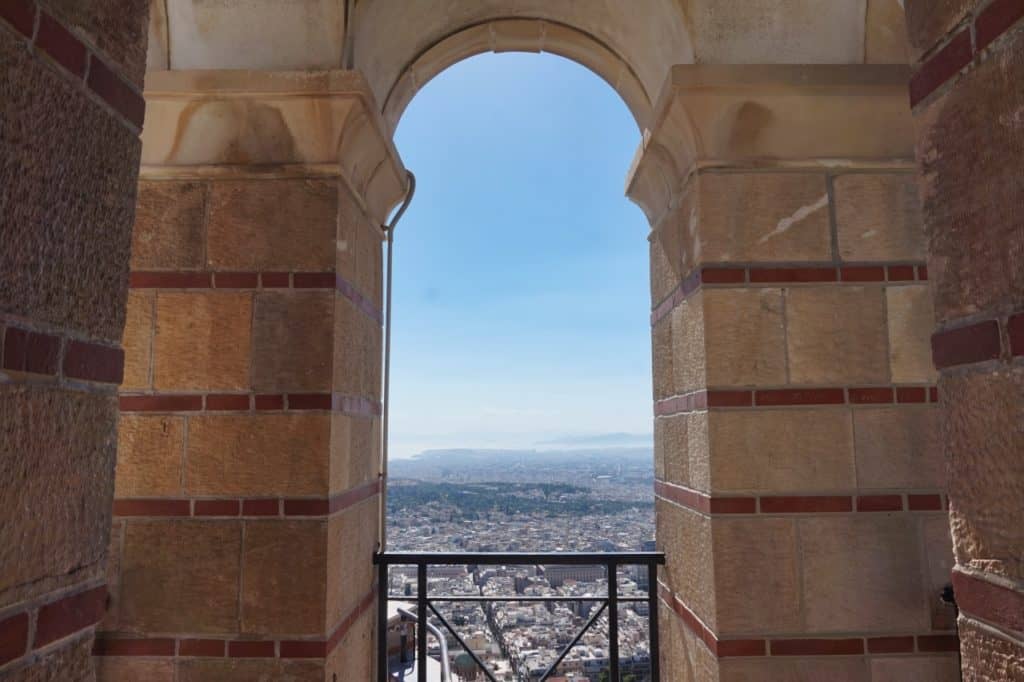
pixel 756 212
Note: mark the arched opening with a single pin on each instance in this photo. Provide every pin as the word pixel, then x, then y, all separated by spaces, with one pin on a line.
pixel 521 354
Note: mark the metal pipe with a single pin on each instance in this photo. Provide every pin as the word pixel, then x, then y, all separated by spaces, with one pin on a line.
pixel 446 667
pixel 382 475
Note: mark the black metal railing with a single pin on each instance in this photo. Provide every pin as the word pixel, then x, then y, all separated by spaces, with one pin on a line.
pixel 425 602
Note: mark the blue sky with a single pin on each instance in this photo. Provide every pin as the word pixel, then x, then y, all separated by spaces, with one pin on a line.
pixel 521 288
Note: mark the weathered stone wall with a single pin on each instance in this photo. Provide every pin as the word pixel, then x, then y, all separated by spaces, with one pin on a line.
pixel 246 495
pixel 968 105
pixel 800 485
pixel 70 114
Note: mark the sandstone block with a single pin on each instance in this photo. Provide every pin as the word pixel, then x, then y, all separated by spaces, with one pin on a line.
pixel 899 447
pixel 119 669
pixel 989 656
pixel 973 219
pixel 284 563
pixel 911 323
pixel 351 542
pixel 251 670
pixel 663 360
pixel 273 225
pixel 202 341
pixel 686 538
pixel 169 226
pixel 792 669
pixel 878 217
pixel 764 217
pixel 928 22
pixel 293 342
pixel 671 432
pixel 181 576
pixel 757 583
pixel 149 456
pixel 138 340
pixel 255 455
pixel 986 477
pixel 53 533
pixel 355 655
pixel 938 556
pixel 69 170
pixel 357 351
pixel 885 41
pixel 355 451
pixel 689 359
pixel 931 668
pixel 781 450
pixel 858 575
pixel 745 337
pixel 836 335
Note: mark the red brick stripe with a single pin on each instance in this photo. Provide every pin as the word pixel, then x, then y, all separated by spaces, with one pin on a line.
pixel 217 507
pixel 941 67
pixel 153 507
pixel 236 280
pixel 782 397
pixel 261 507
pixel 161 403
pixel 995 20
pixel 21 14
pixel 966 345
pixel 773 274
pixel 13 638
pixel 69 615
pixel 799 396
pixel 245 402
pixel 890 645
pixel 233 507
pixel 817 647
pixel 92 362
pixel 32 352
pixel 131 646
pixel 764 275
pixel 170 280
pixel 998 605
pixel 794 504
pixel 207 648
pixel 60 44
pixel 937 643
pixel 807 504
pixel 251 649
pixel 879 503
pixel 1015 329
pixel 924 502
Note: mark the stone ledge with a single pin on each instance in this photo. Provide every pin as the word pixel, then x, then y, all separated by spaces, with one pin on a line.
pixel 267 120
pixel 822 115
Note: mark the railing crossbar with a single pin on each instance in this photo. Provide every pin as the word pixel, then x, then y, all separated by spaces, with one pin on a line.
pixel 458 639
pixel 608 602
pixel 575 640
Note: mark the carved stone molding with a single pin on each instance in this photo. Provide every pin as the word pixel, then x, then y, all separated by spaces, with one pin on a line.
pixel 744 116
pixel 270 123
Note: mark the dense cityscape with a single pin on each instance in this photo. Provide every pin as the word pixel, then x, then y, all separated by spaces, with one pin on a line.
pixel 571 501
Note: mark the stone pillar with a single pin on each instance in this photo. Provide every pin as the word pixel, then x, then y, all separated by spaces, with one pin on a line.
pixel 800 486
pixel 70 116
pixel 968 103
pixel 246 496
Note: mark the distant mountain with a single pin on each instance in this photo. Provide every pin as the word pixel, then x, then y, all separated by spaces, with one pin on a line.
pixel 580 466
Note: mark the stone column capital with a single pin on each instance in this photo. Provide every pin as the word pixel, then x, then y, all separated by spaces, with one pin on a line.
pixel 273 123
pixel 769 115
